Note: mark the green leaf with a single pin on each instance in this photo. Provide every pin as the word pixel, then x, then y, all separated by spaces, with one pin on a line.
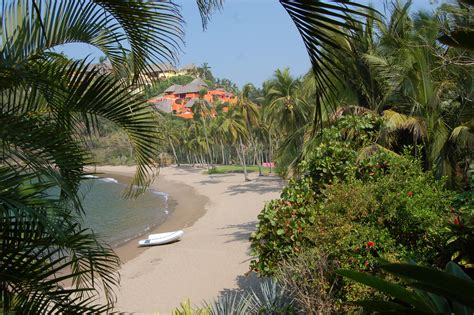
pixel 386 287
pixel 436 281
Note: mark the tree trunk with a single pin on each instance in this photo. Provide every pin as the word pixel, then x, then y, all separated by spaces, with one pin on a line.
pixel 259 161
pixel 202 160
pixel 243 160
pixel 270 150
pixel 223 153
pixel 195 160
pixel 174 151
pixel 207 140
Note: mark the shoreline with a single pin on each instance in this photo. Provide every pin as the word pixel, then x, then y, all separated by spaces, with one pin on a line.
pixel 212 258
pixel 183 214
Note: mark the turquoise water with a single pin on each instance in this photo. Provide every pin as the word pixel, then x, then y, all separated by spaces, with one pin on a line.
pixel 117 220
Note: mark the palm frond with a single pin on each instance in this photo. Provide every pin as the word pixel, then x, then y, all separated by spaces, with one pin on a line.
pixel 85 94
pixel 44 249
pixel 463 135
pixel 207 8
pixel 324 26
pixel 139 32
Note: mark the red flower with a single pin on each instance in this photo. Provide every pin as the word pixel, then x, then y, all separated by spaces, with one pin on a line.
pixel 410 194
pixel 456 220
pixel 370 244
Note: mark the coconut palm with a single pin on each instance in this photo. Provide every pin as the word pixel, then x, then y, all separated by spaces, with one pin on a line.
pixel 47 101
pixel 433 99
pixel 170 131
pixel 457 26
pixel 249 112
pixel 322 24
pixel 234 127
pixel 285 106
pixel 202 112
pixel 205 72
pixel 288 111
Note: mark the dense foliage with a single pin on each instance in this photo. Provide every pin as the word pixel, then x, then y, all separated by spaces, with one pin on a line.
pixel 423 290
pixel 377 142
pixel 355 208
pixel 49 105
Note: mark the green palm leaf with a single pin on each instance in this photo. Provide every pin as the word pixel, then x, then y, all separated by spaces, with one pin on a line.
pixel 435 281
pixel 324 27
pixel 40 239
pixel 388 288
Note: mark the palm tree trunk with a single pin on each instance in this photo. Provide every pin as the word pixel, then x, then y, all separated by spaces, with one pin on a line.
pixel 174 151
pixel 202 159
pixel 257 157
pixel 207 140
pixel 270 149
pixel 243 159
pixel 223 152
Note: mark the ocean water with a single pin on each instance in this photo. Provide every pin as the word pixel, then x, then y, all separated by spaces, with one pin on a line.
pixel 117 220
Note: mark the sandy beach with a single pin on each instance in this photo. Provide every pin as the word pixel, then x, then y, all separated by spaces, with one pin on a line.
pixel 217 213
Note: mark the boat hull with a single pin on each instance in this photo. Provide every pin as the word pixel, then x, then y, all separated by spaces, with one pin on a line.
pixel 161 238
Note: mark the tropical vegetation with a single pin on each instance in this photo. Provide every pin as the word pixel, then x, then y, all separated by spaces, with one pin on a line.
pixel 50 106
pixel 381 170
pixel 376 142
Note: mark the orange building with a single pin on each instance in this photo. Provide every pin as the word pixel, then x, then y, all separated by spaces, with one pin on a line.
pixel 180 99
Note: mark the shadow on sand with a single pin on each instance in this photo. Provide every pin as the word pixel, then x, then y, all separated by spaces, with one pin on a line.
pixel 242 232
pixel 214 179
pixel 260 185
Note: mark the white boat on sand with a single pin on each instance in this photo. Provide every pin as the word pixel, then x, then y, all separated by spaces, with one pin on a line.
pixel 161 238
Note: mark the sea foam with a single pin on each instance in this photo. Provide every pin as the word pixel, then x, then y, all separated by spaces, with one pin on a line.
pixel 109 180
pixel 160 193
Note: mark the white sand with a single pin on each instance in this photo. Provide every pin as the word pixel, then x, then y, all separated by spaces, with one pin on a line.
pixel 213 253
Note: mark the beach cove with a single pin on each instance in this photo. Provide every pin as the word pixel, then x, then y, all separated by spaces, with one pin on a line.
pixel 217 213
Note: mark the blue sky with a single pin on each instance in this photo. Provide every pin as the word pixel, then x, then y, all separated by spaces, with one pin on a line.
pixel 246 42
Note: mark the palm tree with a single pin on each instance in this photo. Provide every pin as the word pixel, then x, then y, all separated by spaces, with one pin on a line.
pixel 322 24
pixel 202 112
pixel 288 111
pixel 250 115
pixel 46 103
pixel 457 27
pixel 205 72
pixel 285 107
pixel 426 84
pixel 234 127
pixel 170 131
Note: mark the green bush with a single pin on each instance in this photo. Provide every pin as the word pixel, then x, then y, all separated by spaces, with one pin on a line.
pixel 335 157
pixel 401 214
pixel 356 203
pixel 280 231
pixel 460 244
pixel 355 222
pixel 330 162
